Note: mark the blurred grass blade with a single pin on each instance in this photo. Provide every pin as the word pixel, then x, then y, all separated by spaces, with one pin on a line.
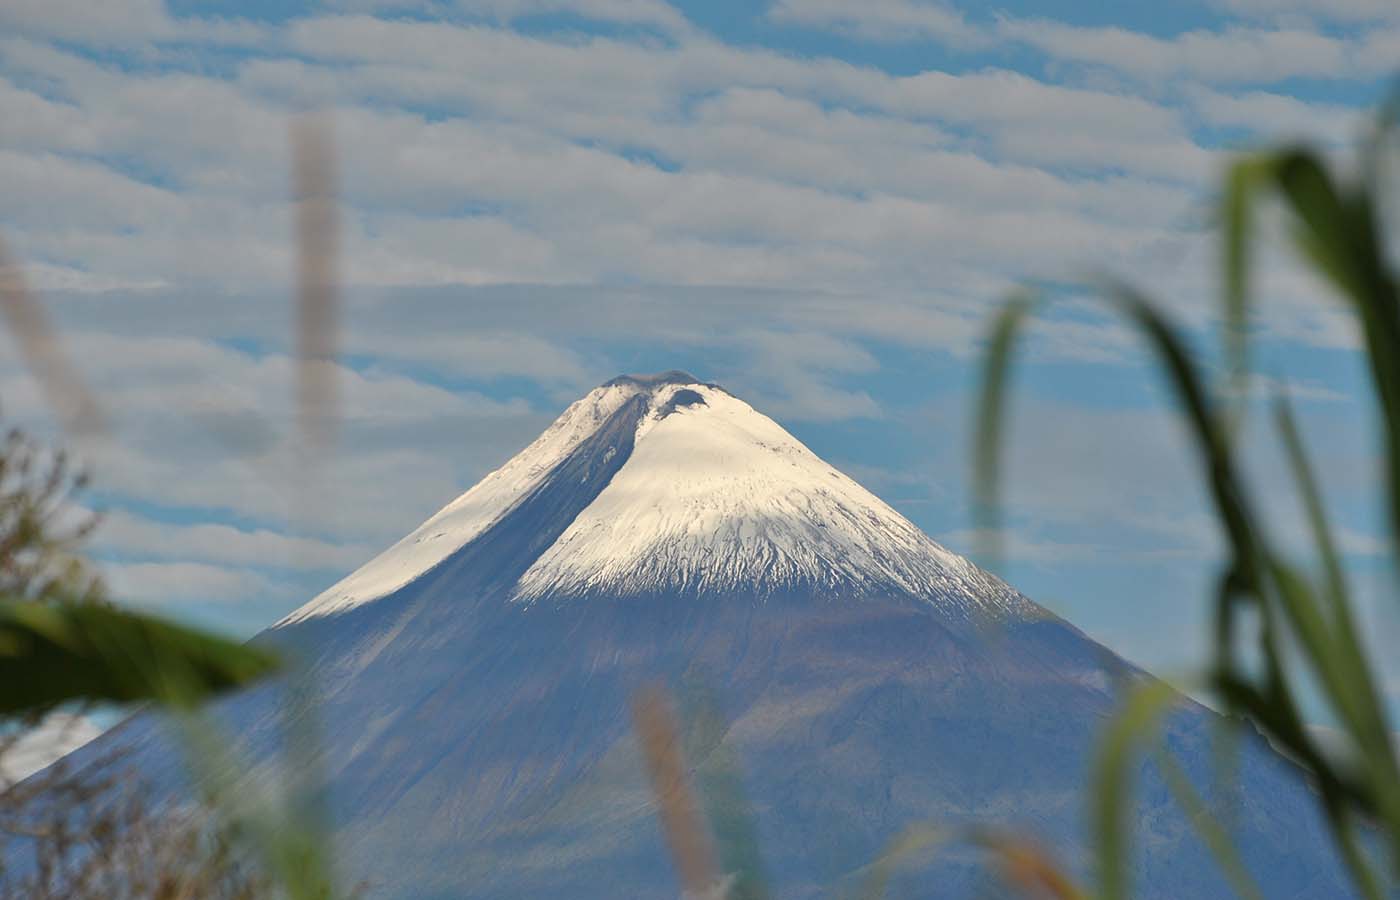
pixel 1226 487
pixel 1328 234
pixel 1336 226
pixel 318 251
pixel 1349 650
pixel 1227 736
pixel 685 831
pixel 735 829
pixel 1030 869
pixel 304 773
pixel 1242 185
pixel 1353 855
pixel 914 840
pixel 294 851
pixel 991 415
pixel 42 351
pixel 1287 428
pixel 1338 233
pixel 1212 832
pixel 719 784
pixel 1352 693
pixel 52 654
pixel 1021 864
pixel 1135 723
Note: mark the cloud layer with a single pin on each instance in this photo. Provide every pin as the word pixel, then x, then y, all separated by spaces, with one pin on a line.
pixel 817 205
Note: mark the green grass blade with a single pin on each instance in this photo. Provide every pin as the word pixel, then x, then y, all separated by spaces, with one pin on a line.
pixel 1212 832
pixel 1311 495
pixel 294 854
pixel 1335 231
pixel 1226 487
pixel 1339 234
pixel 991 416
pixel 52 654
pixel 1136 722
pixel 1350 651
pixel 1242 186
pixel 1353 856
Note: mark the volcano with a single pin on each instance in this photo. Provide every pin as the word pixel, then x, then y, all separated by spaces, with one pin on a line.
pixel 839 677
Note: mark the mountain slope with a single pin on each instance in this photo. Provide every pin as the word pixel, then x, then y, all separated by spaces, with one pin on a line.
pixel 851 674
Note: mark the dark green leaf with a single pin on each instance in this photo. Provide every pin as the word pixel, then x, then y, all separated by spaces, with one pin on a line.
pixel 52 654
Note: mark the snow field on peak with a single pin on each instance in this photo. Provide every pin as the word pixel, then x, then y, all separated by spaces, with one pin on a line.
pixel 714 496
pixel 718 497
pixel 462 520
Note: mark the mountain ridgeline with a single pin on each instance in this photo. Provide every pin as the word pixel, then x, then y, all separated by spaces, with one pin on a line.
pixel 840 675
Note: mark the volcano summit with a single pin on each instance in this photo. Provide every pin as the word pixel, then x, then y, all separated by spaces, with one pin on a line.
pixel 841 676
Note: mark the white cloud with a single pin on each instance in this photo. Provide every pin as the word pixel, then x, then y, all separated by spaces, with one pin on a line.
pixel 881 20
pixel 140 378
pixel 1018 547
pixel 635 12
pixel 122 23
pixel 112 22
pixel 50 192
pixel 1272 117
pixel 788 376
pixel 142 539
pixel 155 584
pixel 1237 54
pixel 476 353
pixel 56 736
pixel 1350 11
pixel 202 427
pixel 543 194
pixel 585 87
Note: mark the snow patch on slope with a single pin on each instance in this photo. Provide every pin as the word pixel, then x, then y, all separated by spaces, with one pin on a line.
pixel 462 520
pixel 718 497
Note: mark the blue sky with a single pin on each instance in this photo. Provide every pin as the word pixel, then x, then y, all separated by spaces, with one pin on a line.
pixel 815 203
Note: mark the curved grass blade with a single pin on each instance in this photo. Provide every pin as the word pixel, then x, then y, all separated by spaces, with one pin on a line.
pixel 295 851
pixel 37 340
pixel 1215 835
pixel 1136 723
pixel 318 253
pixel 914 840
pixel 991 416
pixel 1029 869
pixel 1226 487
pixel 1349 649
pixel 1020 863
pixel 1243 183
pixel 681 821
pixel 1338 233
pixel 52 654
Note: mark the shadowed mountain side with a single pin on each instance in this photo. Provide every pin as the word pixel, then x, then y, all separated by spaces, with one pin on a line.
pixel 491 754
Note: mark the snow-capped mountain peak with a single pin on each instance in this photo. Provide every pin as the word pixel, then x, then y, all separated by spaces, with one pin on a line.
pixel 696 492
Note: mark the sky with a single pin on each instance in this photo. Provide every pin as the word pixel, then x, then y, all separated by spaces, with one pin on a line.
pixel 816 204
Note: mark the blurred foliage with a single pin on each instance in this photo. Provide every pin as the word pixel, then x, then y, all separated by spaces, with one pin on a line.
pixel 96 830
pixel 1306 634
pixel 54 654
pixel 91 831
pixel 41 525
pixel 92 834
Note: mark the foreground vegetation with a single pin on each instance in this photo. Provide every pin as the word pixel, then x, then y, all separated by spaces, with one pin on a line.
pixel 1278 630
